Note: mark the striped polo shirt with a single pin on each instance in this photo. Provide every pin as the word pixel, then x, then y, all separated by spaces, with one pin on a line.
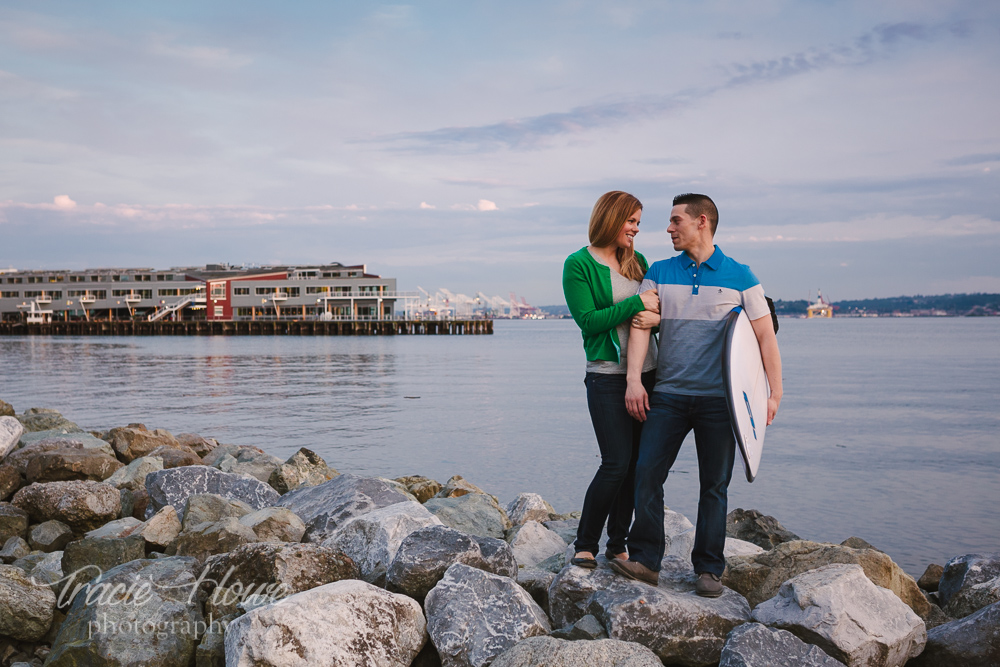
pixel 694 303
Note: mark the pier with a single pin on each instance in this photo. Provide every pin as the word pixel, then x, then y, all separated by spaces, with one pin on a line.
pixel 251 328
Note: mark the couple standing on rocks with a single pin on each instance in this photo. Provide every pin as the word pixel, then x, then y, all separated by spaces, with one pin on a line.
pixel 644 399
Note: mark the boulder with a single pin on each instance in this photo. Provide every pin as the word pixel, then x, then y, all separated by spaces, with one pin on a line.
pixel 221 451
pixel 572 588
pixel 13 549
pixel 587 628
pixel 26 609
pixel 207 539
pixel 161 530
pixel 44 441
pixel 43 569
pixel 756 645
pixel 118 528
pixel 175 457
pixel 273 569
pixel 760 529
pixel 138 499
pixel 50 536
pixel 13 522
pixel 474 616
pixel 10 480
pixel 211 651
pixel 564 528
pixel 303 468
pixel 422 488
pixel 158 626
pixel 973 641
pixel 858 543
pixel 89 557
pixel 325 506
pixel 532 543
pixel 839 609
pixel 275 524
pixel 472 513
pixel 7 410
pixel 81 504
pixel 44 419
pixel 71 463
pixel 529 507
pixel 931 577
pixel 458 486
pixel 735 547
pixel 969 583
pixel 426 553
pixel 346 623
pixel 10 434
pixel 537 582
pixel 498 555
pixel 197 444
pixel 253 462
pixel 679 626
pixel 175 486
pixel 135 441
pixel 758 577
pixel 133 476
pixel 372 539
pixel 551 652
pixel 211 507
pixel 399 487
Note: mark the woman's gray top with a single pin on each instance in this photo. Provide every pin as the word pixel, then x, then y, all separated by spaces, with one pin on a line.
pixel 621 288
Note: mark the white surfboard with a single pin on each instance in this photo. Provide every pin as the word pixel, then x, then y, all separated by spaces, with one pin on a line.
pixel 746 389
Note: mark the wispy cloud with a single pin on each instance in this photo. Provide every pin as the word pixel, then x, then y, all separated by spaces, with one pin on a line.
pixel 968 160
pixel 201 56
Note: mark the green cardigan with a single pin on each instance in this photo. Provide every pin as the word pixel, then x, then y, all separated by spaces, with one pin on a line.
pixel 587 286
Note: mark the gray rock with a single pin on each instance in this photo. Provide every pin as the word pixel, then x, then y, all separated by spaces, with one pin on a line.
pixel 82 505
pixel 552 652
pixel 44 419
pixel 10 480
pixel 572 588
pixel 251 462
pixel 211 652
pixel 973 641
pixel 175 457
pixel 160 629
pixel 50 536
pixel 837 608
pixel 425 554
pixel 10 434
pixel 678 625
pixel 372 539
pixel 931 577
pixel 422 488
pixel 553 564
pixel 207 539
pixel 135 441
pixel 26 609
pixel 587 628
pixel 564 528
pixel 275 524
pixel 14 548
pixel 473 513
pixel 175 486
pixel 474 616
pixel 969 583
pixel 303 468
pixel 211 507
pixel 325 506
pixel 529 507
pixel 498 555
pixel 277 570
pixel 72 463
pixel 760 529
pixel 219 452
pixel 756 645
pixel 85 559
pixel 34 444
pixel 43 569
pixel 133 476
pixel 118 528
pixel 400 488
pixel 857 543
pixel 13 522
pixel 537 583
pixel 532 543
pixel 347 623
pixel 197 444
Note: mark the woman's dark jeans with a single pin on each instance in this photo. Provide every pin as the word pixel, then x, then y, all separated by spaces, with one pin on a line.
pixel 611 495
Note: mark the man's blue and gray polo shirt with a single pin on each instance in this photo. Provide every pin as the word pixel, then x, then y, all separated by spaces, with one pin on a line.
pixel 694 303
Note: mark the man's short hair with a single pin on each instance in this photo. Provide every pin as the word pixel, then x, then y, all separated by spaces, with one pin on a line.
pixel 698 205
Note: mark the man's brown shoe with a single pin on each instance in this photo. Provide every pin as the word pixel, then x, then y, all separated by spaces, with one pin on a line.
pixel 708 585
pixel 634 570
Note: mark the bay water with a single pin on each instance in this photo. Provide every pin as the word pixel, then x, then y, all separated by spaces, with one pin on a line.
pixel 889 429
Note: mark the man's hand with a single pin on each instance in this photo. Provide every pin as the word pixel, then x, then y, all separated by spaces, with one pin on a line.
pixel 646 319
pixel 636 400
pixel 772 407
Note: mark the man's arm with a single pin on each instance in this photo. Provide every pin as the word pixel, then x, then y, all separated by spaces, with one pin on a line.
pixel 763 328
pixel 636 399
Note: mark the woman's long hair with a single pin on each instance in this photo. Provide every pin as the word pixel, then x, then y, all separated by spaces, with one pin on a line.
pixel 606 222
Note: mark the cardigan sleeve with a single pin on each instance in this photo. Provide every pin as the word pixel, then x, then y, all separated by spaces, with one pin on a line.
pixel 580 299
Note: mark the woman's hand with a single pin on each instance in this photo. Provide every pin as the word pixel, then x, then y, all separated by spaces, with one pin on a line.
pixel 646 320
pixel 650 300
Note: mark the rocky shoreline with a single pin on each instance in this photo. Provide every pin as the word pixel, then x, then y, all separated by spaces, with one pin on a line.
pixel 140 547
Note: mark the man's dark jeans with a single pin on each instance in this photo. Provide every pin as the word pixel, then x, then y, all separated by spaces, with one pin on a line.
pixel 610 495
pixel 669 419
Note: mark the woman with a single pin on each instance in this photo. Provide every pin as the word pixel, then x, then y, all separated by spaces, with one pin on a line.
pixel 601 282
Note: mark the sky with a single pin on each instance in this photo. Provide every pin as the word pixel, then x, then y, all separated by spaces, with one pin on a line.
pixel 852 147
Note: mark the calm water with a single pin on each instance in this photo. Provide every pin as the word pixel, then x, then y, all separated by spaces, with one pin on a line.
pixel 888 430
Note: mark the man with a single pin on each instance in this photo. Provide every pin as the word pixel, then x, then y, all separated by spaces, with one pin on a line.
pixel 697 290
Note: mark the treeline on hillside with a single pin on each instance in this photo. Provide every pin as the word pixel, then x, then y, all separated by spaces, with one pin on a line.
pixel 955 304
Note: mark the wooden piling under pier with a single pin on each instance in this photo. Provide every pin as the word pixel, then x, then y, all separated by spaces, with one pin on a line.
pixel 252 328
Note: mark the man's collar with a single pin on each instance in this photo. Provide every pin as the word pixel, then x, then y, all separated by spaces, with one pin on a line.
pixel 712 262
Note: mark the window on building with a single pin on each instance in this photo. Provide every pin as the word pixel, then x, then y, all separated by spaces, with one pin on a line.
pixel 218 290
pixel 217 311
pixel 77 279
pixel 10 295
pixel 241 291
pixel 95 279
pixel 264 291
pixel 331 274
pixel 14 281
pixel 317 290
pixel 34 279
pixel 56 279
pixel 292 291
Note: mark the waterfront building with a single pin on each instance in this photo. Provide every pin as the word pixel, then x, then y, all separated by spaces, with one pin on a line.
pixel 821 308
pixel 215 292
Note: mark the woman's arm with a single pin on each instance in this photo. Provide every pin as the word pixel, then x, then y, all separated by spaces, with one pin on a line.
pixel 580 299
